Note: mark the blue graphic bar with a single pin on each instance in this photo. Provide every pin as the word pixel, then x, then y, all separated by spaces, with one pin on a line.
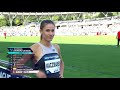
pixel 20 53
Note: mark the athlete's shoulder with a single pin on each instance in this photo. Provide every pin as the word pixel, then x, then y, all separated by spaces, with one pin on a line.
pixel 35 47
pixel 56 45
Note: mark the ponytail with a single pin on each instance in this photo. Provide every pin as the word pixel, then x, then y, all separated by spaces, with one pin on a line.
pixel 41 37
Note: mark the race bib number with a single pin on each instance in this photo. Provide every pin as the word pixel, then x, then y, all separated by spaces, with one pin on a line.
pixel 52 66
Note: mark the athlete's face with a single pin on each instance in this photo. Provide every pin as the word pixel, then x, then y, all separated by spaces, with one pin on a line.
pixel 48 32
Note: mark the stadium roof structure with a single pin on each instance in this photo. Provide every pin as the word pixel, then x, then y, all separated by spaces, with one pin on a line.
pixel 39 13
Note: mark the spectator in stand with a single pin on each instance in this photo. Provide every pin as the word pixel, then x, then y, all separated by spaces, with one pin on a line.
pixel 5 34
pixel 118 38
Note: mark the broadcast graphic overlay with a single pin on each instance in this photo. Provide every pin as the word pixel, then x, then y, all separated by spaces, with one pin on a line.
pixel 15 54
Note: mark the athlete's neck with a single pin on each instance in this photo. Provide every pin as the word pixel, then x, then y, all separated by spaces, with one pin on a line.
pixel 45 43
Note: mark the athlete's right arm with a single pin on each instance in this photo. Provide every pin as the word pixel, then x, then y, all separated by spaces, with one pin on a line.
pixel 27 57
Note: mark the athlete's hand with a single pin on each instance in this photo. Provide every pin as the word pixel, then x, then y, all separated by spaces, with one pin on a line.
pixel 61 76
pixel 41 74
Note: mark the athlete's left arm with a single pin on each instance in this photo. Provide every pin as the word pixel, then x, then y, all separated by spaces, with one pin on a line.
pixel 61 61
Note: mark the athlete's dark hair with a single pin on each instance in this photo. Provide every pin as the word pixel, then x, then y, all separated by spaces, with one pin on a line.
pixel 44 23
